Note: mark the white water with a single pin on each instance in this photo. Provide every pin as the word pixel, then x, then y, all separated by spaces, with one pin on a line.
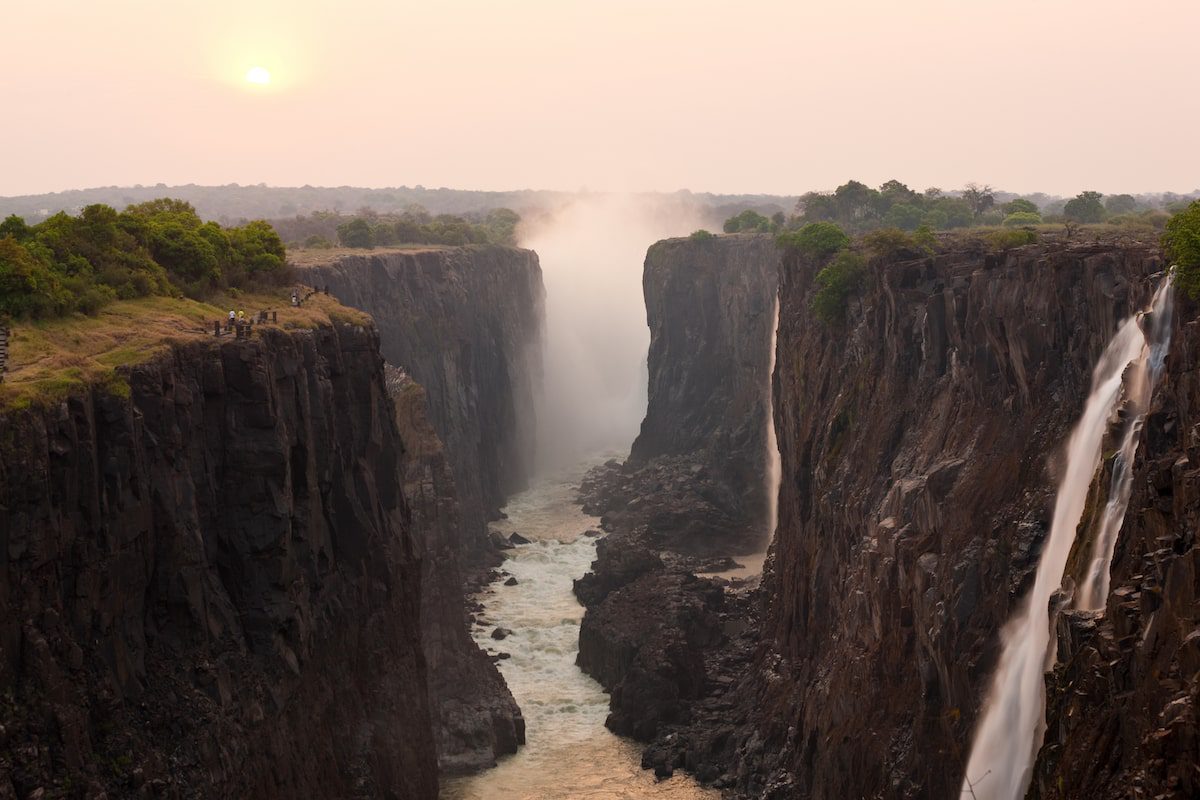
pixel 774 470
pixel 568 754
pixel 1140 382
pixel 1010 731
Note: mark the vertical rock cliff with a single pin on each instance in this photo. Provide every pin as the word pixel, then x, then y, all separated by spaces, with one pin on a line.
pixel 693 487
pixel 209 587
pixel 695 474
pixel 465 322
pixel 474 715
pixel 919 444
pixel 1123 701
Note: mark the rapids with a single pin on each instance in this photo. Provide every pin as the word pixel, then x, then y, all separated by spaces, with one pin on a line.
pixel 569 753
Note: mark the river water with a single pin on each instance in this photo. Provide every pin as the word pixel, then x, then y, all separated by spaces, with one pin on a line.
pixel 569 753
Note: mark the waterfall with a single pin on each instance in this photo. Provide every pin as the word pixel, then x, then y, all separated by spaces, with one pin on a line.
pixel 1140 382
pixel 774 470
pixel 1013 722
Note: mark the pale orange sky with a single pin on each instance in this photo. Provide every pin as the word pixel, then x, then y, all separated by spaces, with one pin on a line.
pixel 780 97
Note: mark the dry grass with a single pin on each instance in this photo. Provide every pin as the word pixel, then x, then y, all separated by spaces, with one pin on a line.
pixel 50 359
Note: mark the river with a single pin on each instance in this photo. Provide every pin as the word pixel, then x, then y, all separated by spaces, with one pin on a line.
pixel 569 753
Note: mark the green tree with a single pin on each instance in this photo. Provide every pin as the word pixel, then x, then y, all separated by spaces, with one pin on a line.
pixel 816 241
pixel 356 233
pixel 1085 207
pixel 1120 204
pixel 28 287
pixel 890 244
pixel 701 236
pixel 904 216
pixel 835 283
pixel 748 220
pixel 1020 205
pixel 1182 242
pixel 15 227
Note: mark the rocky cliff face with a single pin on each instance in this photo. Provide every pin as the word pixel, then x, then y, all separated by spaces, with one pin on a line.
pixel 919 445
pixel 695 474
pixel 465 323
pixel 475 718
pixel 1122 707
pixel 693 487
pixel 209 587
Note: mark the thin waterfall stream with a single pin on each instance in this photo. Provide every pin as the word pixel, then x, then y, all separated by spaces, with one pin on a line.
pixel 1012 724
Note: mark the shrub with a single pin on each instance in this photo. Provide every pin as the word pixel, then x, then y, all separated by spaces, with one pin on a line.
pixel 816 241
pixel 1019 218
pixel 1013 237
pixel 1182 241
pixel 318 242
pixel 891 243
pixel 356 233
pixel 701 236
pixel 836 283
pixel 925 239
pixel 748 220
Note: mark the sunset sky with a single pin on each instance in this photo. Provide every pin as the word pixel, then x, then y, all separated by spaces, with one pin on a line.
pixel 781 97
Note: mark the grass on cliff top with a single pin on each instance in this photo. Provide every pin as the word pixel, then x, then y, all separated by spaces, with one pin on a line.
pixel 49 360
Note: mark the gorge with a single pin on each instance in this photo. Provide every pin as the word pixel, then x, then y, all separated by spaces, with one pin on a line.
pixel 271 531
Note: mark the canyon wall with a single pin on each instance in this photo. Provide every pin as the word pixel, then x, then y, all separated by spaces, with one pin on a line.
pixel 475 718
pixel 919 443
pixel 208 583
pixel 695 474
pixel 465 323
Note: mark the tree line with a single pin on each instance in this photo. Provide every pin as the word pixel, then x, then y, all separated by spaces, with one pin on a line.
pixel 415 225
pixel 858 208
pixel 66 263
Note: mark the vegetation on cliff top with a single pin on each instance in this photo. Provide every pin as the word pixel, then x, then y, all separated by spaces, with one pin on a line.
pixel 52 358
pixel 1182 240
pixel 368 229
pixel 82 263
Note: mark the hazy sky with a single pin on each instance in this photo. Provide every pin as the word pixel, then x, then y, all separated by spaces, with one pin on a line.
pixel 781 97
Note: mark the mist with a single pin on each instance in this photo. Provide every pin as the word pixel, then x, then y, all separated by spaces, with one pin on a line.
pixel 596 338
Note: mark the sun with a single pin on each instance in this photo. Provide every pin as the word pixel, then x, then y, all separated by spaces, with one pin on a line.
pixel 258 75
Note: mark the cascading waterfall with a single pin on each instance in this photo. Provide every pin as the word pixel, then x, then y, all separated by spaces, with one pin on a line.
pixel 1013 722
pixel 774 470
pixel 1142 378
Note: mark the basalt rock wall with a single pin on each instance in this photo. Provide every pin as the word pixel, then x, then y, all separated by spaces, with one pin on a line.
pixel 465 323
pixel 709 305
pixel 475 717
pixel 920 440
pixel 208 583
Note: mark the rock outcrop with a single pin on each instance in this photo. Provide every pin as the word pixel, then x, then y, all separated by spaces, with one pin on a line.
pixel 465 323
pixel 475 718
pixel 208 584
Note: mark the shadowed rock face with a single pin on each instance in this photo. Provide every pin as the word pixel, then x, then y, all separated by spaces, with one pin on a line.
pixel 209 588
pixel 915 444
pixel 1122 707
pixel 709 307
pixel 465 323
pixel 475 718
